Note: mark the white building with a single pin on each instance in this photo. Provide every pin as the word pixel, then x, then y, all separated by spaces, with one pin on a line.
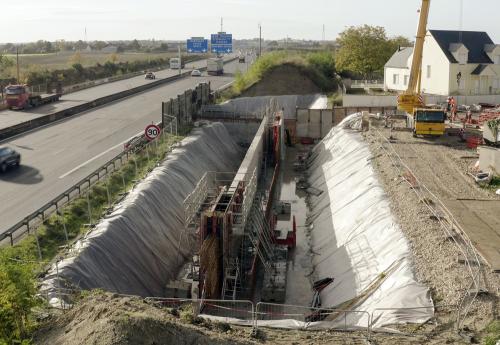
pixel 453 63
pixel 397 69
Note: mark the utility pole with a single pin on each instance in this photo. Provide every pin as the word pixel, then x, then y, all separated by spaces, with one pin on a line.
pixel 221 24
pixel 323 33
pixel 17 62
pixel 260 40
pixel 180 61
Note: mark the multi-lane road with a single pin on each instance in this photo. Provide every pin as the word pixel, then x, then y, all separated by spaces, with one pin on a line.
pixel 57 156
pixel 12 117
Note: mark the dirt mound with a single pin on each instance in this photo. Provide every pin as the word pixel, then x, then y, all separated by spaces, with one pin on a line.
pixel 285 79
pixel 107 319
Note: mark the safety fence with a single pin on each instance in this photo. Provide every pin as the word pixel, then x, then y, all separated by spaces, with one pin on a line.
pixel 448 224
pixel 287 316
pixel 138 150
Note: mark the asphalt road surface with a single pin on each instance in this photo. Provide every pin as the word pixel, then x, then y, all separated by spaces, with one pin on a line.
pixel 13 117
pixel 57 156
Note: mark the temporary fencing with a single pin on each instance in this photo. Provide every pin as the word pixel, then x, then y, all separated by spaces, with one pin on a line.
pixel 450 227
pixel 232 311
pixel 308 318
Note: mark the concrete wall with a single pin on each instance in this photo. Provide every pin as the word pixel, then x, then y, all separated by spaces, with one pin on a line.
pixel 316 124
pixel 489 159
pixel 369 101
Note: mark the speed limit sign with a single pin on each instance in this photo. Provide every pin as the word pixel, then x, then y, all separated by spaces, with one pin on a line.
pixel 152 132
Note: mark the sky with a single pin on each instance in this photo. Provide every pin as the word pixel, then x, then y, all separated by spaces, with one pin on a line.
pixel 31 20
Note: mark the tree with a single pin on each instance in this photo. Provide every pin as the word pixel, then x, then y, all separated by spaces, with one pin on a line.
pixel 76 58
pixel 113 58
pixel 135 45
pixel 364 50
pixel 5 62
pixel 17 295
pixel 399 41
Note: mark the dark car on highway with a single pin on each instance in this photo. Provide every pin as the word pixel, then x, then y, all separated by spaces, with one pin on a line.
pixel 9 158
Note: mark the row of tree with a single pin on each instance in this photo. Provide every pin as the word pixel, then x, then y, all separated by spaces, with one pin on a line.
pixel 42 47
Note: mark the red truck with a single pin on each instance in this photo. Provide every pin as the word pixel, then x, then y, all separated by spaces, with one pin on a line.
pixel 21 97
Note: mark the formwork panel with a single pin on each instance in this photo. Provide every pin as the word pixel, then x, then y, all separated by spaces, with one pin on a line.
pixel 314 124
pixel 326 122
pixel 302 123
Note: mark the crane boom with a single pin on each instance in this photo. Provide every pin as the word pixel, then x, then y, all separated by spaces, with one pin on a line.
pixel 411 98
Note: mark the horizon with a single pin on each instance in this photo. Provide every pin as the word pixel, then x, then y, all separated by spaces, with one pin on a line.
pixel 127 20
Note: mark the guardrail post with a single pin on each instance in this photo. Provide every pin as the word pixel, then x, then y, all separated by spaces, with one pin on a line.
pixel 38 245
pixel 64 227
pixel 107 191
pixel 88 207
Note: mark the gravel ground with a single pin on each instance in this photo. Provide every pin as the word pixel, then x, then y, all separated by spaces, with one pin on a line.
pixel 441 165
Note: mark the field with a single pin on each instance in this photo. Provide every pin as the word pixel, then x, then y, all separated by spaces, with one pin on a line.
pixel 63 60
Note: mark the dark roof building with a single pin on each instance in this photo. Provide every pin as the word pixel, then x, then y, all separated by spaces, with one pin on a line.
pixel 476 42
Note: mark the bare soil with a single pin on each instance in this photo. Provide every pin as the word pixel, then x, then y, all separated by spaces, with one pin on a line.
pixel 283 80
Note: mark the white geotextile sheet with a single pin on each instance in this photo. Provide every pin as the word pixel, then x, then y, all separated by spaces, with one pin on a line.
pixel 354 237
pixel 134 250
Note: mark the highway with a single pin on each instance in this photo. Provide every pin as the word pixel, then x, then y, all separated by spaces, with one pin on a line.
pixel 57 156
pixel 13 117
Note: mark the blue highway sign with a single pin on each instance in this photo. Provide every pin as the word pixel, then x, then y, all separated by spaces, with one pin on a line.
pixel 197 45
pixel 222 43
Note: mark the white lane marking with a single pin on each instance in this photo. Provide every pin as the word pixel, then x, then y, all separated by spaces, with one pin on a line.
pixel 98 156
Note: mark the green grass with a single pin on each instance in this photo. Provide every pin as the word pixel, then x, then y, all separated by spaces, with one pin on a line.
pixel 318 66
pixel 62 60
pixel 492 333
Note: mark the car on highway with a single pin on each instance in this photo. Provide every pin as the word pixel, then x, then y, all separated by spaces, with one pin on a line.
pixel 195 73
pixel 150 75
pixel 9 158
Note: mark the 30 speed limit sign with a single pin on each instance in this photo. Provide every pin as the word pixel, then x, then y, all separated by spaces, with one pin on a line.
pixel 152 132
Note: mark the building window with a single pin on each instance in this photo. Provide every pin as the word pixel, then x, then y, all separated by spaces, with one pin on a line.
pixel 395 79
pixel 406 80
pixel 428 71
pixel 495 83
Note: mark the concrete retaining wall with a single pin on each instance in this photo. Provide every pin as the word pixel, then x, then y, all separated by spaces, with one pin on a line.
pixel 316 123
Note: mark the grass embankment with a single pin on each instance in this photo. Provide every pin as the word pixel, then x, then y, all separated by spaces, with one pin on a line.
pixel 318 66
pixel 20 265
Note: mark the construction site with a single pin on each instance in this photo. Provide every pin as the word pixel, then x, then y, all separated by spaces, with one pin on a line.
pixel 282 219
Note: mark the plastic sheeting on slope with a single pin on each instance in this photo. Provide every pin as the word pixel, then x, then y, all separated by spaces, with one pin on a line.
pixel 257 105
pixel 135 249
pixel 355 238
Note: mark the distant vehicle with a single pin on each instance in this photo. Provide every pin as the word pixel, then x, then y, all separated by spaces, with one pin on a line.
pixel 241 58
pixel 150 75
pixel 176 63
pixel 21 97
pixel 215 66
pixel 195 73
pixel 9 158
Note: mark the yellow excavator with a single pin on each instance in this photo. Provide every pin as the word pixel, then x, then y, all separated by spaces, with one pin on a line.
pixel 420 118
